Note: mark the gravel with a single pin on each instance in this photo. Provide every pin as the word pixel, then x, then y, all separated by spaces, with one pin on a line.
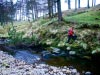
pixel 12 66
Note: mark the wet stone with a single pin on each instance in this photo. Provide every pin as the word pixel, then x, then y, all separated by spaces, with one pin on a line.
pixel 27 70
pixel 88 73
pixel 7 66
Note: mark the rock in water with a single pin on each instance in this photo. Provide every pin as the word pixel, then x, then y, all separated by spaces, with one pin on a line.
pixel 88 73
pixel 72 52
pixel 68 48
pixel 55 50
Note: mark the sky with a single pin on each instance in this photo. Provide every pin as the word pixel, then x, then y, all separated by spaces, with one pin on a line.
pixel 64 5
pixel 83 3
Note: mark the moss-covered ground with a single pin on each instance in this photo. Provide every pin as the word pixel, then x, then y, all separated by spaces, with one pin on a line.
pixel 50 32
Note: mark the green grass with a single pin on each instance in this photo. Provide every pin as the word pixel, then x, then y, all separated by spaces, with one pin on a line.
pixel 91 17
pixel 50 32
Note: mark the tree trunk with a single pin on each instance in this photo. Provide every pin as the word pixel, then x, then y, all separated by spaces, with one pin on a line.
pixel 55 6
pixel 1 14
pixel 59 11
pixel 20 12
pixel 88 5
pixel 23 8
pixel 69 6
pixel 11 12
pixel 50 7
pixel 75 4
pixel 92 3
pixel 32 14
pixel 36 11
pixel 78 3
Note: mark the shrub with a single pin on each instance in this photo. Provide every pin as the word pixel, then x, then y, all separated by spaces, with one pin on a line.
pixel 15 37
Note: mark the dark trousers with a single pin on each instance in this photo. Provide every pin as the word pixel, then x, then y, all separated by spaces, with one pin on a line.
pixel 71 37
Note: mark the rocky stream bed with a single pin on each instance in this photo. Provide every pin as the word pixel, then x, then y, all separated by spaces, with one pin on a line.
pixel 25 62
pixel 12 66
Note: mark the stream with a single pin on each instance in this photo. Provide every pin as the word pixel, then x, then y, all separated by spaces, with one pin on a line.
pixel 27 56
pixel 31 57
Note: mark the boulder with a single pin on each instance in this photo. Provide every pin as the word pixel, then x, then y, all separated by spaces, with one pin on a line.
pixel 55 50
pixel 88 73
pixel 68 48
pixel 72 52
pixel 46 54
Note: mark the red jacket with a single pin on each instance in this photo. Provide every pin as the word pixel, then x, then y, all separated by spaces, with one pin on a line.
pixel 70 32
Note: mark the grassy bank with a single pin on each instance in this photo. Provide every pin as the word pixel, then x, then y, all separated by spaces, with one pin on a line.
pixel 50 32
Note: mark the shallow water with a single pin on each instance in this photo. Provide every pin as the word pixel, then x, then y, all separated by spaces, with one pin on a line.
pixel 27 56
pixel 80 64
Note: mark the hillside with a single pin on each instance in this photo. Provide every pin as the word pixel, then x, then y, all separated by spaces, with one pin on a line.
pixel 90 17
pixel 50 32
